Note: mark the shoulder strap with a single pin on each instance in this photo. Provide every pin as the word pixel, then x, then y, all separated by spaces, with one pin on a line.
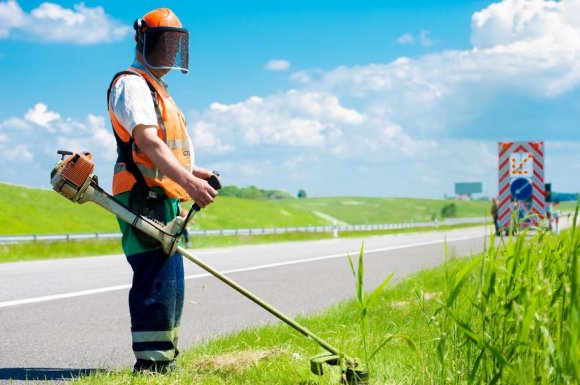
pixel 125 149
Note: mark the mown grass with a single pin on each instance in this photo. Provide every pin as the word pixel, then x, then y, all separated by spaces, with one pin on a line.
pixel 510 316
pixel 276 354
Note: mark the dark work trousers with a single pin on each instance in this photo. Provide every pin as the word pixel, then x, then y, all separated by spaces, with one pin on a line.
pixel 155 305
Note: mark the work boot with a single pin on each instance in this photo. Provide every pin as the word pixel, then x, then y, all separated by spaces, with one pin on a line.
pixel 161 367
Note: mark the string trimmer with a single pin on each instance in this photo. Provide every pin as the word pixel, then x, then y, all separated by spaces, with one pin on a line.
pixel 73 177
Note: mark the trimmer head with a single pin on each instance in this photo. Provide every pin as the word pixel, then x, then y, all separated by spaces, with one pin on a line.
pixel 317 362
pixel 352 375
pixel 355 377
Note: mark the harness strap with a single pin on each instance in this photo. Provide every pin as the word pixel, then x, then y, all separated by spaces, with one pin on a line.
pixel 125 149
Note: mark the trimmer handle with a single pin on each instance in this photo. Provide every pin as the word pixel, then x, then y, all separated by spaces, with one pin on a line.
pixel 214 181
pixel 63 153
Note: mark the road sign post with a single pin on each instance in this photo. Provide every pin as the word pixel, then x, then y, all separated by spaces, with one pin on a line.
pixel 521 183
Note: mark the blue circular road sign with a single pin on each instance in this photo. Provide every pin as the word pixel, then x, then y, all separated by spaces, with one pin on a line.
pixel 521 189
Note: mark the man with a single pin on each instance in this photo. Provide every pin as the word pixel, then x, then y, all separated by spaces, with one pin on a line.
pixel 556 216
pixel 155 171
pixel 494 214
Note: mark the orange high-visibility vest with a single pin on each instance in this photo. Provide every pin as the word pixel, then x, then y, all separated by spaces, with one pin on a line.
pixel 171 129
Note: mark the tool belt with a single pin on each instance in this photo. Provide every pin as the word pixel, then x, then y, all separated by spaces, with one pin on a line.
pixel 150 204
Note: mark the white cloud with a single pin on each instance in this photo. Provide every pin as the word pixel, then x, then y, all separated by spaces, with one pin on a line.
pixel 425 39
pixel 46 132
pixel 407 38
pixel 13 124
pixel 18 153
pixel 91 135
pixel 526 48
pixel 40 115
pixel 51 11
pixel 205 138
pixel 11 16
pixel 516 21
pixel 301 77
pixel 51 22
pixel 292 118
pixel 277 65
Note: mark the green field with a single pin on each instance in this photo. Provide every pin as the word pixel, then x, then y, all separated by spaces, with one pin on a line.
pixel 357 210
pixel 36 211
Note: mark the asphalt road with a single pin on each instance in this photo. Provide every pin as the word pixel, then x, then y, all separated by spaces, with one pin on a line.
pixel 60 318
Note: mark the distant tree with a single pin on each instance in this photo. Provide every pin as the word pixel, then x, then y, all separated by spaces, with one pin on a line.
pixel 301 193
pixel 278 194
pixel 449 211
pixel 230 191
pixel 253 192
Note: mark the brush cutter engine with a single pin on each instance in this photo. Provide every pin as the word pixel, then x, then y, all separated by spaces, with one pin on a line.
pixel 72 176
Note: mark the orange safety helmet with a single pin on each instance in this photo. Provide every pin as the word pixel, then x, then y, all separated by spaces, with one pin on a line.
pixel 162 40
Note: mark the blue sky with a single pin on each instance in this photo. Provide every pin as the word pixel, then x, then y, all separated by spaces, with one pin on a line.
pixel 373 98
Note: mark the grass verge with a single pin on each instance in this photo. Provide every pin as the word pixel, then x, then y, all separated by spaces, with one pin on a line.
pixel 511 316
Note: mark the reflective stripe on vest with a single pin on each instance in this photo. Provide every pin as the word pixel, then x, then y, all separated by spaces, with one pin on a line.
pixel 147 172
pixel 172 130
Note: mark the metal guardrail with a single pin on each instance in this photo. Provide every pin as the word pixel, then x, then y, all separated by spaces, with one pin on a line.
pixel 334 229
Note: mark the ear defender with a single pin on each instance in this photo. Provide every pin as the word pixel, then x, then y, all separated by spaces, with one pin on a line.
pixel 140 26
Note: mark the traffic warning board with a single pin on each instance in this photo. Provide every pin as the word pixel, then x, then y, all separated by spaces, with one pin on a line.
pixel 521 181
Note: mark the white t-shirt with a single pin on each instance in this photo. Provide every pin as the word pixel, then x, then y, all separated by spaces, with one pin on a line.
pixel 132 104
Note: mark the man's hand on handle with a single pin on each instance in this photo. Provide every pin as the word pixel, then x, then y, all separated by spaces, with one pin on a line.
pixel 194 183
pixel 200 191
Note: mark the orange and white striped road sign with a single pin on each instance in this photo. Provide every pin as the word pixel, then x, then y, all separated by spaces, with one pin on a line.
pixel 521 179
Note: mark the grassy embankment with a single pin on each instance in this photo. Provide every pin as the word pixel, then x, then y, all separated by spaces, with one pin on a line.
pixel 510 316
pixel 37 211
pixel 45 212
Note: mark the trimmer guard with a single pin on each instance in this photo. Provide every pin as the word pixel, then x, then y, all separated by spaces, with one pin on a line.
pixel 317 362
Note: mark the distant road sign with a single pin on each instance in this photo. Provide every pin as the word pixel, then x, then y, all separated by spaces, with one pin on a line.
pixel 522 164
pixel 521 189
pixel 468 188
pixel 521 178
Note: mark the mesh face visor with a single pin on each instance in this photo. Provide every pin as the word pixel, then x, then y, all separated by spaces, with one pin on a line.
pixel 166 48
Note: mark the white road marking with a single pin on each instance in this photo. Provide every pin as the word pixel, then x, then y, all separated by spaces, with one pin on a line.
pixel 27 301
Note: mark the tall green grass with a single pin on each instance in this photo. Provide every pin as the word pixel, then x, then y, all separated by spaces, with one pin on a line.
pixel 511 316
pixel 365 302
